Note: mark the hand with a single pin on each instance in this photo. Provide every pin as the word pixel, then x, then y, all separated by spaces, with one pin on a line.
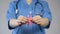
pixel 14 23
pixel 22 19
pixel 41 21
pixel 36 19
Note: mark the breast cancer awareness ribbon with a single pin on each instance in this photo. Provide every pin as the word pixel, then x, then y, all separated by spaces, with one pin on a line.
pixel 30 18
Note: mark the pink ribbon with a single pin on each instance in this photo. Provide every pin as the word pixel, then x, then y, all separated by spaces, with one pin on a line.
pixel 30 19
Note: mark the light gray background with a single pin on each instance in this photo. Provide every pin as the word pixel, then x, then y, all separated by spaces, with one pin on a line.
pixel 54 7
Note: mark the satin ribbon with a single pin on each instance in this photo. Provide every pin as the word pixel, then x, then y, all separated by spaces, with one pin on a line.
pixel 30 19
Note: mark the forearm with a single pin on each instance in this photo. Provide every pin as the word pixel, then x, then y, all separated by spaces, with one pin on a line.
pixel 13 23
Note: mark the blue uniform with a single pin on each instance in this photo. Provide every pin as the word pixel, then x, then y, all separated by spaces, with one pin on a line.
pixel 24 10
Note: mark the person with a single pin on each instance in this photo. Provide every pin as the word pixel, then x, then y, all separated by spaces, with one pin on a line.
pixel 18 20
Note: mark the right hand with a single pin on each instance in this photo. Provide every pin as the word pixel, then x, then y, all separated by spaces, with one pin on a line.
pixel 23 19
pixel 16 22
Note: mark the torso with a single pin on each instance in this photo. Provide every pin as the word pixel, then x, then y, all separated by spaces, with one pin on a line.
pixel 24 10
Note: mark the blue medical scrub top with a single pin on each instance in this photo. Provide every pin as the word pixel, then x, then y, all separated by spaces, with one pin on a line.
pixel 24 9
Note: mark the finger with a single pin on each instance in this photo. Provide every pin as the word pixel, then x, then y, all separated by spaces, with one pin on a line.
pixel 38 23
pixel 25 20
pixel 20 17
pixel 22 20
pixel 39 16
pixel 36 17
pixel 37 20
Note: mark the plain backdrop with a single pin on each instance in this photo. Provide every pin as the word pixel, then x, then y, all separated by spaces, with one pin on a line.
pixel 54 6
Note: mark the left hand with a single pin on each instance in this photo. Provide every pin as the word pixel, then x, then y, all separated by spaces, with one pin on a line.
pixel 40 21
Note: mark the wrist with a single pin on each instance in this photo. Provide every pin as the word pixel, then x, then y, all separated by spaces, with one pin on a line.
pixel 13 23
pixel 45 22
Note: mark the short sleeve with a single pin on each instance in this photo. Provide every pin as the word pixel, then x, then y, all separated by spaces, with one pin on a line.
pixel 46 13
pixel 11 13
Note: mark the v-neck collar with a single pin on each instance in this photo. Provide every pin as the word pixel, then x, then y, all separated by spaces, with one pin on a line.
pixel 33 2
